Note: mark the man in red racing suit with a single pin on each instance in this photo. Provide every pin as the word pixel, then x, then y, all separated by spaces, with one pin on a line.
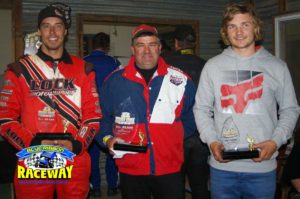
pixel 51 92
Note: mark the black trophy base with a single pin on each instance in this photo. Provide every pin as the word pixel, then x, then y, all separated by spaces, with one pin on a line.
pixel 130 147
pixel 240 154
pixel 53 136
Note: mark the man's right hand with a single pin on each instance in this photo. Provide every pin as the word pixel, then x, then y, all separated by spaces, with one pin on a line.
pixel 216 149
pixel 110 143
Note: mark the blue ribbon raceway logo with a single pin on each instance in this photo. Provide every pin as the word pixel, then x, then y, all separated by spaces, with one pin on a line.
pixel 45 162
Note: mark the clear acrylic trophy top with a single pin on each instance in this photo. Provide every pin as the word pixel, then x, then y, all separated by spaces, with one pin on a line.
pixel 230 136
pixel 126 124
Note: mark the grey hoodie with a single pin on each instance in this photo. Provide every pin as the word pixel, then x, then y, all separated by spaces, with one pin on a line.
pixel 244 93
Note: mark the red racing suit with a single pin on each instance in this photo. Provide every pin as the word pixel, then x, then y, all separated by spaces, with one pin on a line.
pixel 45 95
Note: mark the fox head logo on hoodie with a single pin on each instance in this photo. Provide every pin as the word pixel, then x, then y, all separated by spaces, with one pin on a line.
pixel 248 87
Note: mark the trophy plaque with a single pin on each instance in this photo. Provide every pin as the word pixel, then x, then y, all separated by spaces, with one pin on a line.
pixel 46 124
pixel 140 148
pixel 231 138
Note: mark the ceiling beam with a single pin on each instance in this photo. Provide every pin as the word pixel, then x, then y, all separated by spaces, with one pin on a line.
pixel 282 6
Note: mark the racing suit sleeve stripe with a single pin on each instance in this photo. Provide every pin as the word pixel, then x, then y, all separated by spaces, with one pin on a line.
pixel 10 112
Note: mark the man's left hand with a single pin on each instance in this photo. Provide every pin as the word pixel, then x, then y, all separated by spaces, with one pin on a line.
pixel 267 149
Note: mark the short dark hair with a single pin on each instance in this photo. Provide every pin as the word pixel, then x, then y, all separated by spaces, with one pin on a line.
pixel 185 35
pixel 101 40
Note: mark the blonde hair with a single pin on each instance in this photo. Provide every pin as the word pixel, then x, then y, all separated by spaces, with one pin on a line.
pixel 231 10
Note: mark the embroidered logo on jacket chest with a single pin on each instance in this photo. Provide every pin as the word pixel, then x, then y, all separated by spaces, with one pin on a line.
pixel 176 80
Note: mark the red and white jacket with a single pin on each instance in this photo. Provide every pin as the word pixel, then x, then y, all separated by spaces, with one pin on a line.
pixel 161 110
pixel 54 96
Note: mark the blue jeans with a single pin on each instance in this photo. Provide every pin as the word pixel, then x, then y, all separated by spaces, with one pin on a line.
pixel 237 185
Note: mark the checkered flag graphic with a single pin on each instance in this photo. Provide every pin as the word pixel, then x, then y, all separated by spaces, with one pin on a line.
pixel 58 162
pixel 33 160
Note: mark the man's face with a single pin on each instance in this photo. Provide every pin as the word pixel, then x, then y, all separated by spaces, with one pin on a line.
pixel 146 50
pixel 52 31
pixel 240 32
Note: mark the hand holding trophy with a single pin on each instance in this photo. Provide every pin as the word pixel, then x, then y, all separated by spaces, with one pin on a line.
pixel 231 139
pixel 140 148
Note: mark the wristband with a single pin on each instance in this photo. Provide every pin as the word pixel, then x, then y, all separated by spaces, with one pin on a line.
pixel 106 138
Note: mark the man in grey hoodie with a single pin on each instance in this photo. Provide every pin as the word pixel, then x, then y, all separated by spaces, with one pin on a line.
pixel 244 92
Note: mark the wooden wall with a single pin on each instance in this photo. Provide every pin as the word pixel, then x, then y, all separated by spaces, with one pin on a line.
pixel 16 9
pixel 208 13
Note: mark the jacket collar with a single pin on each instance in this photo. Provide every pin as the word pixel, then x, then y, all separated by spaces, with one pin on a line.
pixel 131 73
pixel 98 52
pixel 65 57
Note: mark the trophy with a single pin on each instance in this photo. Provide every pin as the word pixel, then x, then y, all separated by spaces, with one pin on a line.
pixel 230 138
pixel 46 125
pixel 32 43
pixel 126 127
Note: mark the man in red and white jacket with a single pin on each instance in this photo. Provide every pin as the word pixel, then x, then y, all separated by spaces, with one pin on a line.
pixel 150 102
pixel 51 92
